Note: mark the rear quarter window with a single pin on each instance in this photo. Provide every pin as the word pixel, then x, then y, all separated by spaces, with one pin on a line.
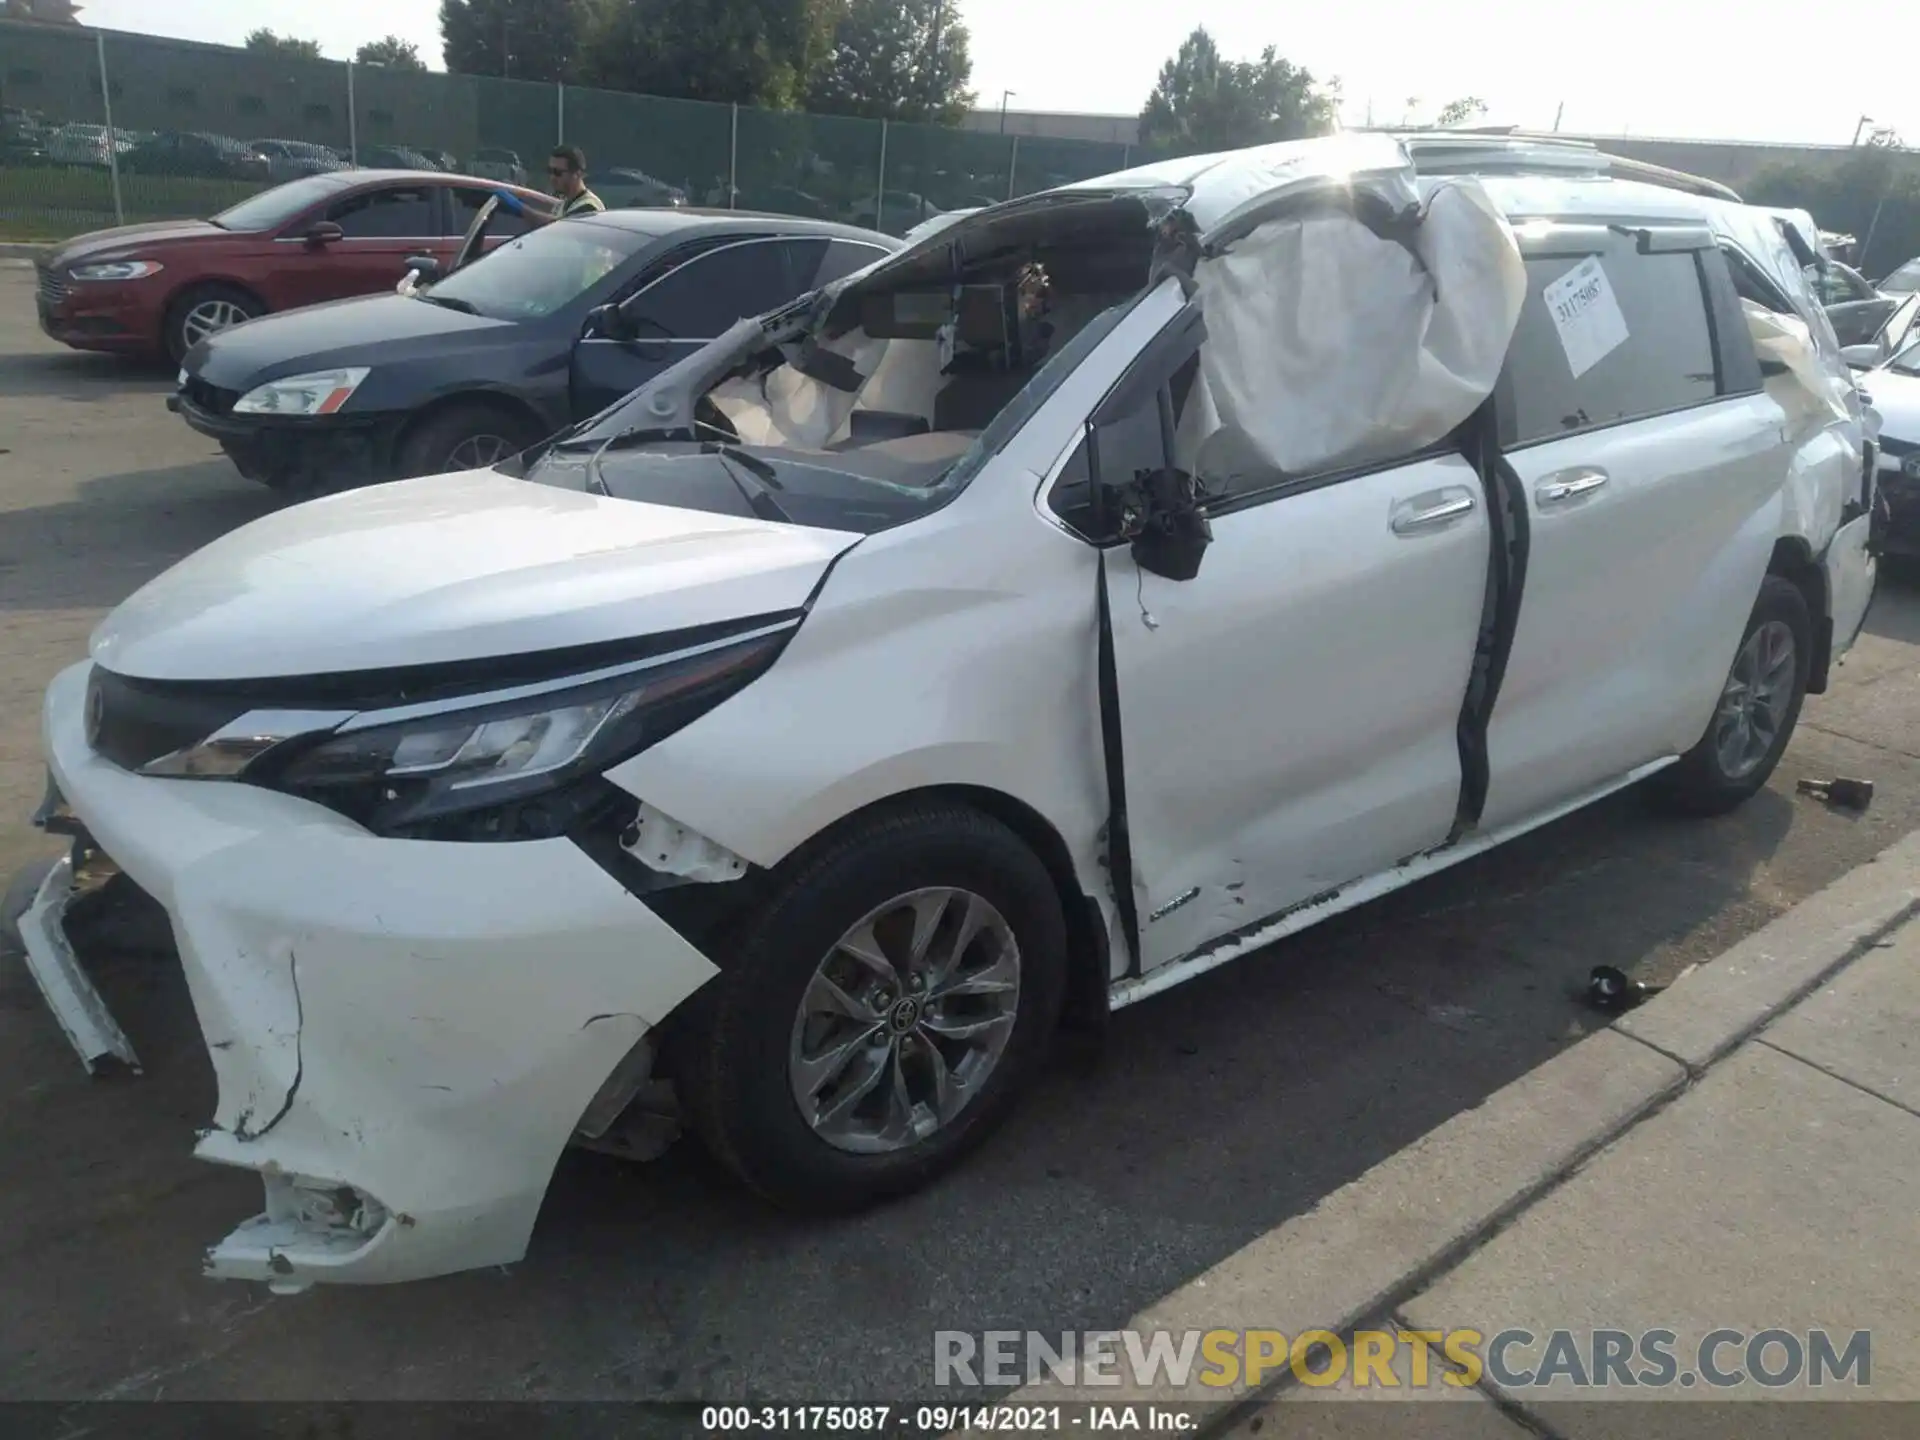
pixel 1554 384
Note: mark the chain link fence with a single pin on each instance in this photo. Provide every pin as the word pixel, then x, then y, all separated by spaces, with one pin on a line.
pixel 104 128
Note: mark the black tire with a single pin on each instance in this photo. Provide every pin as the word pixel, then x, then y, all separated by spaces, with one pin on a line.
pixel 731 1057
pixel 181 312
pixel 1701 783
pixel 429 446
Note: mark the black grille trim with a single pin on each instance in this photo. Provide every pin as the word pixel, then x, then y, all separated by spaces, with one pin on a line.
pixel 53 290
pixel 210 398
pixel 141 720
pixel 138 721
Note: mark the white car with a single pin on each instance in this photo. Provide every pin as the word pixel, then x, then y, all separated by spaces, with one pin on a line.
pixel 1893 390
pixel 1265 530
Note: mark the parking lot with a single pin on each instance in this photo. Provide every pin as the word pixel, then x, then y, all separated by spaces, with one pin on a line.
pixel 1215 1112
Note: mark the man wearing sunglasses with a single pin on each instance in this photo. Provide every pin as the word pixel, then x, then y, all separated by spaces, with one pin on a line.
pixel 567 176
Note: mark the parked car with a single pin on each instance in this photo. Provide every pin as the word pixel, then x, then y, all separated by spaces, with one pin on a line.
pixel 899 211
pixel 161 288
pixel 1040 618
pixel 196 155
pixel 1904 281
pixel 1856 309
pixel 80 144
pixel 23 140
pixel 294 159
pixel 398 157
pixel 1901 326
pixel 495 164
pixel 1893 389
pixel 622 187
pixel 550 328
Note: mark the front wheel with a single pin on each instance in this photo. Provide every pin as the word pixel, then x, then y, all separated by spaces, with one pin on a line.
pixel 206 310
pixel 1759 706
pixel 473 435
pixel 881 1013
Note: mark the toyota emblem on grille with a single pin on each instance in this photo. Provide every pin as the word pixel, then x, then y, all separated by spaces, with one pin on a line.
pixel 96 715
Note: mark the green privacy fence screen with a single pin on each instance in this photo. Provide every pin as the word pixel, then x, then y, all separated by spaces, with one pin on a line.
pixel 103 127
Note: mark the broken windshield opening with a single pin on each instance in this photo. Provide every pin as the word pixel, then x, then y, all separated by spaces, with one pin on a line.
pixel 901 384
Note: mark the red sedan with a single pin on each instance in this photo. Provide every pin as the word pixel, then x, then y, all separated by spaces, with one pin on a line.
pixel 162 288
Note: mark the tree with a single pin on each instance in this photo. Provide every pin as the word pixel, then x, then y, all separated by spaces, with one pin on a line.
pixel 745 52
pixel 1459 112
pixel 1204 103
pixel 517 39
pixel 392 52
pixel 264 42
pixel 895 60
pixel 1871 191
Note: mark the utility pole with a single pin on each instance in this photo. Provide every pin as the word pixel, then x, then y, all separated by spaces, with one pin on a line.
pixel 1865 120
pixel 1004 96
pixel 1556 116
pixel 933 56
pixel 506 54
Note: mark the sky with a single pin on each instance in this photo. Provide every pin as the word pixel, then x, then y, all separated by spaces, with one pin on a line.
pixel 1704 69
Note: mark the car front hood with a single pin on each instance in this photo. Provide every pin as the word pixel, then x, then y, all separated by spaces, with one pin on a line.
pixel 453 567
pixel 361 331
pixel 127 239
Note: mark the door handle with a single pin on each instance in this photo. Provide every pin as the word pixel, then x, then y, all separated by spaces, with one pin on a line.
pixel 1565 485
pixel 1431 510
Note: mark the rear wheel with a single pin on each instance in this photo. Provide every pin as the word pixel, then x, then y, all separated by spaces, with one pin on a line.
pixel 469 436
pixel 879 1015
pixel 206 310
pixel 1759 706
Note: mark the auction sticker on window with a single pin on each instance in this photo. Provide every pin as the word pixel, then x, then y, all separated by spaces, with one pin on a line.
pixel 1586 314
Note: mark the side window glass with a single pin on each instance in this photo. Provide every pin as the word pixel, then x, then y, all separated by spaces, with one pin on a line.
pixel 404 213
pixel 1637 343
pixel 841 259
pixel 706 295
pixel 1125 447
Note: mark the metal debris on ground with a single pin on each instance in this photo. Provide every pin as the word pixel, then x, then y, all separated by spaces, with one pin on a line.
pixel 1842 790
pixel 1612 991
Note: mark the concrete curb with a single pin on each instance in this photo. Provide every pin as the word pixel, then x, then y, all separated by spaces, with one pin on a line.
pixel 1710 1010
pixel 1380 1239
pixel 21 250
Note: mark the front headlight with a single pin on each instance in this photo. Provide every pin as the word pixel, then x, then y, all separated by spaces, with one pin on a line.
pixel 321 393
pixel 117 270
pixel 496 765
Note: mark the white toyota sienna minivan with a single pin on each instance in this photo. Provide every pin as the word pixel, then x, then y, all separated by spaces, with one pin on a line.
pixel 1099 588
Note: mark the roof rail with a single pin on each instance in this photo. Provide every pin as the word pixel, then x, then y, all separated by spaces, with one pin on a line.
pixel 1524 152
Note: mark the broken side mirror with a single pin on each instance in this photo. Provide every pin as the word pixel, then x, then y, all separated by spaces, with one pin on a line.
pixel 605 322
pixel 1139 494
pixel 1173 537
pixel 424 269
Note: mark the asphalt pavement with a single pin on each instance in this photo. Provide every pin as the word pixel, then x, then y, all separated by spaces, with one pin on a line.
pixel 1216 1113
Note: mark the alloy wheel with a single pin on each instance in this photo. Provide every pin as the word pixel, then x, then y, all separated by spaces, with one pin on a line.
pixel 1754 703
pixel 210 317
pixel 904 1020
pixel 478 452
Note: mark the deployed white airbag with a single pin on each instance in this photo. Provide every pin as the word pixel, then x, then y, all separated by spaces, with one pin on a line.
pixel 1810 388
pixel 1328 345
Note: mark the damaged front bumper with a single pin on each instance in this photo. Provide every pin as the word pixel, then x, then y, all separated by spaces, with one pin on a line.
pixel 405 1033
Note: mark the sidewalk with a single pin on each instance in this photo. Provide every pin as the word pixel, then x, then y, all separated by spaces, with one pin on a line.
pixel 1740 1153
